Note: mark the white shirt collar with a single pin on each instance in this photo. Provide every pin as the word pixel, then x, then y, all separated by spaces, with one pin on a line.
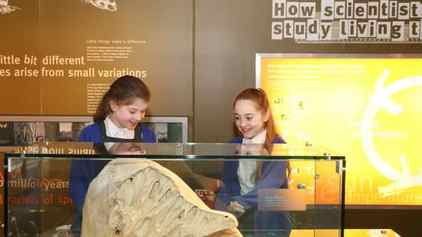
pixel 112 130
pixel 258 139
pixel 247 168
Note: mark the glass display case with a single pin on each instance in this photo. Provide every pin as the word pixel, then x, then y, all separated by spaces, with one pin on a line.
pixel 172 189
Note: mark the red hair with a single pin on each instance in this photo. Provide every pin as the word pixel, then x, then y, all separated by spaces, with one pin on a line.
pixel 259 97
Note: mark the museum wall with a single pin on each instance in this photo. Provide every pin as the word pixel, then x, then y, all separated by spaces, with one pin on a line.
pixel 228 35
pixel 195 55
pixel 59 57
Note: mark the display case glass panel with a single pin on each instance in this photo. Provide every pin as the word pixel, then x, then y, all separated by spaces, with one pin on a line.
pixel 54 189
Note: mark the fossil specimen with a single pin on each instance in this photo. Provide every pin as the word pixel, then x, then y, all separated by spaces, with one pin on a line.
pixel 138 197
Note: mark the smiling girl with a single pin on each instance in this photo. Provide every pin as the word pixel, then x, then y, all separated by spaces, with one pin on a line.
pixel 118 119
pixel 119 114
pixel 254 127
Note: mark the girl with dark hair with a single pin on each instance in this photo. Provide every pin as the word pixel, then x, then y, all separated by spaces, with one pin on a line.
pixel 117 119
pixel 254 127
pixel 119 114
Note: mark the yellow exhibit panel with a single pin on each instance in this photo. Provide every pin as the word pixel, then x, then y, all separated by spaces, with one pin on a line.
pixel 347 233
pixel 366 107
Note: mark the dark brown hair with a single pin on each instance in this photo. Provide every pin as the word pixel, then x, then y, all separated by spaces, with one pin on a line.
pixel 123 91
pixel 259 97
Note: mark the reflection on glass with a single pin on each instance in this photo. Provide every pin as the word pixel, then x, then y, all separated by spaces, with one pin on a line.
pixel 248 188
pixel 277 202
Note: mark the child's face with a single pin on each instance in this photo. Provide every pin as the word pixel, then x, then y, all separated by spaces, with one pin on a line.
pixel 128 115
pixel 249 121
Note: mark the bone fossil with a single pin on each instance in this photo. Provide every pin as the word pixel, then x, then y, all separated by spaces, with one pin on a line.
pixel 5 8
pixel 138 197
pixel 109 5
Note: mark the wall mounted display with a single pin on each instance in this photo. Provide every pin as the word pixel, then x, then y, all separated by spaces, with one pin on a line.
pixel 366 107
pixel 64 55
pixel 25 130
pixel 351 21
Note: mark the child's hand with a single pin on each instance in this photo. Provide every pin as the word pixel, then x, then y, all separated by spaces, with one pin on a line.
pixel 236 208
pixel 252 149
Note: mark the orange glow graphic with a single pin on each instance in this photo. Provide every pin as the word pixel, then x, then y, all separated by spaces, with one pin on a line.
pixel 367 109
